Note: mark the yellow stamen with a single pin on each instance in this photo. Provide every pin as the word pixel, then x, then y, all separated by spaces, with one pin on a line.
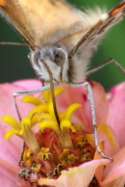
pixel 67 125
pixel 27 157
pixel 32 100
pixel 49 124
pixel 11 133
pixel 71 110
pixel 47 94
pixel 27 154
pixel 67 116
pixel 28 135
pixel 12 122
pixel 23 130
pixel 39 110
pixel 44 154
pixel 90 139
pixel 37 118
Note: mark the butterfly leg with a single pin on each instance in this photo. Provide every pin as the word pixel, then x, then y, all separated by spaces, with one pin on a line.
pixel 110 61
pixel 16 44
pixel 91 100
pixel 26 92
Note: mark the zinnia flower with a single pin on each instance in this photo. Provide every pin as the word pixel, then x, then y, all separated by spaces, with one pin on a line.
pixel 44 152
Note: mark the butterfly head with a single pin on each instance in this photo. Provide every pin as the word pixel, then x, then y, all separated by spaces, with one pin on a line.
pixel 50 62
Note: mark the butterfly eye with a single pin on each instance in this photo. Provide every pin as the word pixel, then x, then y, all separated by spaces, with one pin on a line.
pixel 60 56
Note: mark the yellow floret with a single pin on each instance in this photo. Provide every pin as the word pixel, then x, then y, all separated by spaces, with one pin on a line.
pixel 23 130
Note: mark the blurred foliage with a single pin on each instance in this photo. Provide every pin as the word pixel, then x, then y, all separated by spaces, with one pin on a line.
pixel 15 65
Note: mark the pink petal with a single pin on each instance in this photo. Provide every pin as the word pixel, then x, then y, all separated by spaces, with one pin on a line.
pixel 116 115
pixel 74 95
pixel 9 175
pixel 116 169
pixel 29 84
pixel 10 150
pixel 79 95
pixel 117 183
pixel 101 103
pixel 7 101
pixel 78 176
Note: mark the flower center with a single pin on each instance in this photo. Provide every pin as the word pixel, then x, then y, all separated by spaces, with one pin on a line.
pixel 52 157
pixel 50 148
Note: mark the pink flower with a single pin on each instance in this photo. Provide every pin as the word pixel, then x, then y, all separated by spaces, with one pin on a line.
pixel 110 111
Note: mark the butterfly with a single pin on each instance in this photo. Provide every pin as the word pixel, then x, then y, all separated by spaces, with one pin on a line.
pixel 61 39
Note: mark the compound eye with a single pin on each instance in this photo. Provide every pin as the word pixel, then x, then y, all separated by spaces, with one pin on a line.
pixel 59 56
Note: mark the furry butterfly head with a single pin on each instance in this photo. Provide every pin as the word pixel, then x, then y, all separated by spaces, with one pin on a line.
pixel 50 60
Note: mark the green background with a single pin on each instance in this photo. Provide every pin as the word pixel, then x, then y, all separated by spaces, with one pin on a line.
pixel 14 63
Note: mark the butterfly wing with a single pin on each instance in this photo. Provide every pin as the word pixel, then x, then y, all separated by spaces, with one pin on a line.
pixel 40 21
pixel 49 21
pixel 82 52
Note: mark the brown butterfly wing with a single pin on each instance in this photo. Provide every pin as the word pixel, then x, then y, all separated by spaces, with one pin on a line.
pixel 42 21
